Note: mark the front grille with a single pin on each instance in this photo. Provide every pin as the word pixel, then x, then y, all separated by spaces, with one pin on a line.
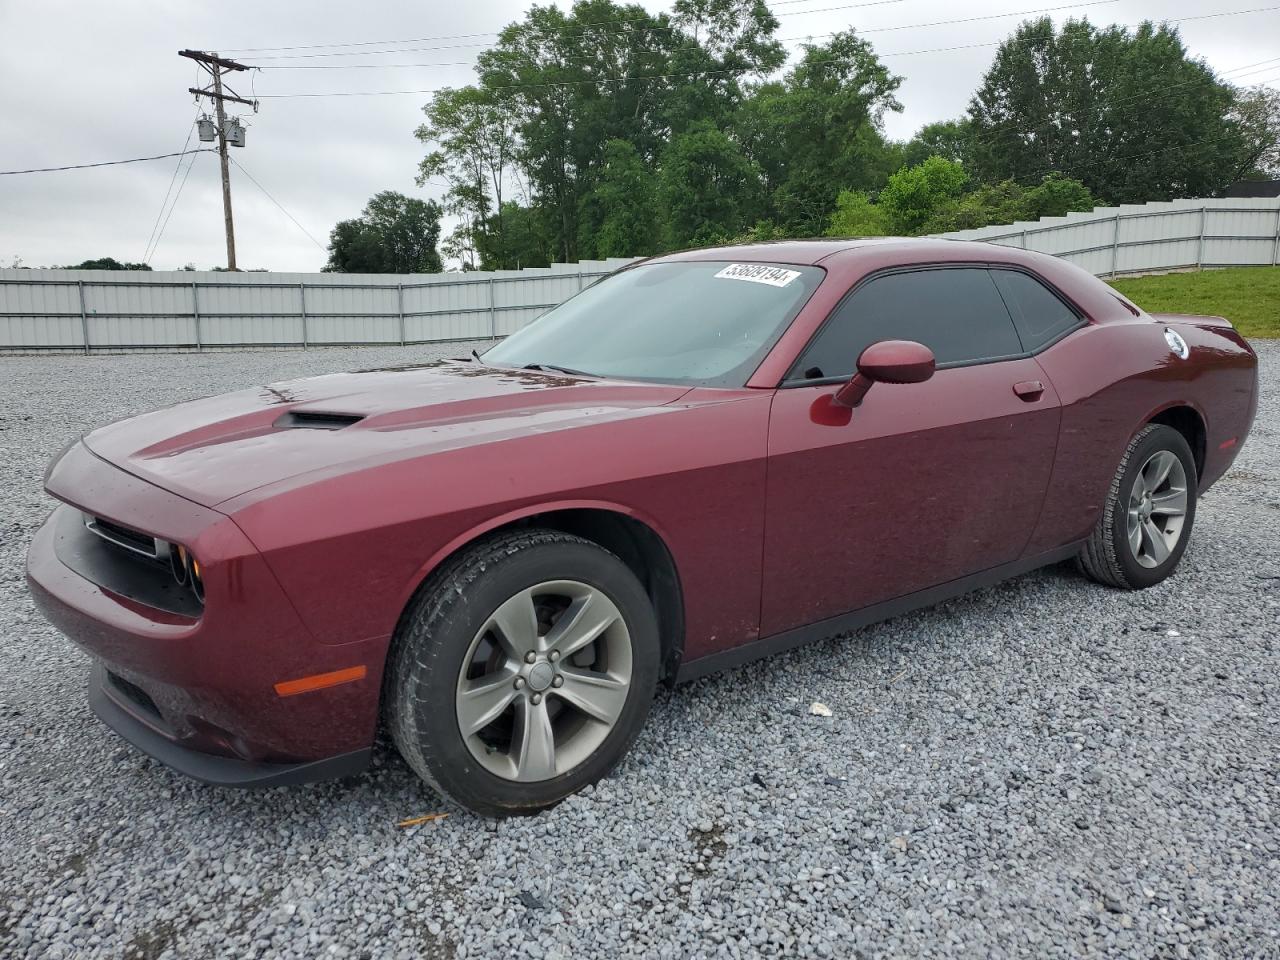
pixel 122 536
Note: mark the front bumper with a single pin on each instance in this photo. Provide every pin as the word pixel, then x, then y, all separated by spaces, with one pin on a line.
pixel 208 767
pixel 198 692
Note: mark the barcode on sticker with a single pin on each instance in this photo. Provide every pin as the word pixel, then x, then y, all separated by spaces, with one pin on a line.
pixel 758 273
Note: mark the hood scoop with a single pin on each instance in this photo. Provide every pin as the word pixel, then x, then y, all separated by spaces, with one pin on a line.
pixel 316 420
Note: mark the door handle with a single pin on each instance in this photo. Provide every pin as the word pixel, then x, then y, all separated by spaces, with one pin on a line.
pixel 1029 390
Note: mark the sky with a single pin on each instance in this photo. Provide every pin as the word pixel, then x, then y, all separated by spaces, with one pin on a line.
pixel 91 81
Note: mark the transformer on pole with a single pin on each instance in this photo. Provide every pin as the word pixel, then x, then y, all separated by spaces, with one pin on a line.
pixel 233 131
pixel 227 130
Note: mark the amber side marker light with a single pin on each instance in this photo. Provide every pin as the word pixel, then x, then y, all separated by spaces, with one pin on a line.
pixel 318 681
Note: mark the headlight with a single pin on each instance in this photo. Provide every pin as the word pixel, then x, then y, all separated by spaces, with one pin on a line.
pixel 186 569
pixel 178 564
pixel 197 581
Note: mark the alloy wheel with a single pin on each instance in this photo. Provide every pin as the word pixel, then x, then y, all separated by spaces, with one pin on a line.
pixel 544 681
pixel 1157 508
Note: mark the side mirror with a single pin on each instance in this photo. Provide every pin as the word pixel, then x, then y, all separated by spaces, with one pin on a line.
pixel 889 361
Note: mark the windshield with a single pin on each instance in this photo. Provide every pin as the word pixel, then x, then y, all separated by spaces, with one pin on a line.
pixel 690 322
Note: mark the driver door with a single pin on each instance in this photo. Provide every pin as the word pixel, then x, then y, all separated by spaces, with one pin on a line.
pixel 921 484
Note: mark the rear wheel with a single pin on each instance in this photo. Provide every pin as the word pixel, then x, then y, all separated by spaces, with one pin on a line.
pixel 1148 515
pixel 523 671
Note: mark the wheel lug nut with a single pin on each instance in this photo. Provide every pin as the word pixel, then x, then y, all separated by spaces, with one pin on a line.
pixel 558 682
pixel 554 656
pixel 536 698
pixel 519 682
pixel 530 657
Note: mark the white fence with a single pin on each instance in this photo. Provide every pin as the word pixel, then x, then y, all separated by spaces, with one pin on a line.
pixel 1151 237
pixel 102 310
pixel 94 311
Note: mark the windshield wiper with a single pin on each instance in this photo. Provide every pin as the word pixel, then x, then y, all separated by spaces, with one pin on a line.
pixel 552 368
pixel 476 357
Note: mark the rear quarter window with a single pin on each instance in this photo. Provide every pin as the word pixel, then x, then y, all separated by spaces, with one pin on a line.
pixel 1040 315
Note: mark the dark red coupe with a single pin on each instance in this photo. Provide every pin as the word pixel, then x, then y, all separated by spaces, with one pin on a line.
pixel 703 458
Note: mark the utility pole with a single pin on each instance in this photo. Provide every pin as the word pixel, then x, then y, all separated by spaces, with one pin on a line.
pixel 226 170
pixel 216 66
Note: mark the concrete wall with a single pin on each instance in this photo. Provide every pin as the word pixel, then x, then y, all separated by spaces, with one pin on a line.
pixel 102 310
pixel 1151 237
pixel 108 310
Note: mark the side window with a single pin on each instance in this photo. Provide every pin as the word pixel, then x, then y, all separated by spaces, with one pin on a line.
pixel 1040 315
pixel 955 312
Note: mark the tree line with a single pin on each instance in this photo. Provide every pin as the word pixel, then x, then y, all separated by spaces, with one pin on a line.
pixel 606 130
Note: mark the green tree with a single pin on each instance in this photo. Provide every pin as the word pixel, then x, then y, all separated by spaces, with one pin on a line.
pixel 723 44
pixel 526 241
pixel 620 216
pixel 1004 202
pixel 1056 196
pixel 473 134
pixel 560 74
pixel 562 89
pixel 818 130
pixel 710 190
pixel 1129 115
pixel 931 197
pixel 106 263
pixel 737 34
pixel 394 234
pixel 950 139
pixel 856 216
pixel 914 195
pixel 1257 113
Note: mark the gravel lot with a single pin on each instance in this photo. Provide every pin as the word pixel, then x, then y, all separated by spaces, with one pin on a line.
pixel 1044 768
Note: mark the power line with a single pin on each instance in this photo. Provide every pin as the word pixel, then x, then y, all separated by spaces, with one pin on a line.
pixel 104 163
pixel 860 32
pixel 494 33
pixel 1244 70
pixel 701 73
pixel 1002 137
pixel 1014 137
pixel 146 253
pixel 574 36
pixel 990 16
pixel 1098 162
pixel 279 204
pixel 174 206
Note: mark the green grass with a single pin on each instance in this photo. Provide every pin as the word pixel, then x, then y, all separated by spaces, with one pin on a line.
pixel 1247 296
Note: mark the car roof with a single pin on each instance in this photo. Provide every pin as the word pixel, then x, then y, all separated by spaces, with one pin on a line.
pixel 804 252
pixel 811 252
pixel 851 258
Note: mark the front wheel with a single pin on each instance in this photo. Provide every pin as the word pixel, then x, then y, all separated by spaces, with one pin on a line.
pixel 1149 511
pixel 523 671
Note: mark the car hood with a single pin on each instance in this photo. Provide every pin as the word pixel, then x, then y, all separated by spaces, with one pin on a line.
pixel 214 449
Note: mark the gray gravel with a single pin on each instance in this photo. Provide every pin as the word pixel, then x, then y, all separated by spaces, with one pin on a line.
pixel 1045 768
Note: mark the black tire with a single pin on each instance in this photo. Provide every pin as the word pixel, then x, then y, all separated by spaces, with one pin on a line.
pixel 435 636
pixel 1107 556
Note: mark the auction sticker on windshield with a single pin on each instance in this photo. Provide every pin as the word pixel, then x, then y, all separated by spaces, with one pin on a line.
pixel 758 273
